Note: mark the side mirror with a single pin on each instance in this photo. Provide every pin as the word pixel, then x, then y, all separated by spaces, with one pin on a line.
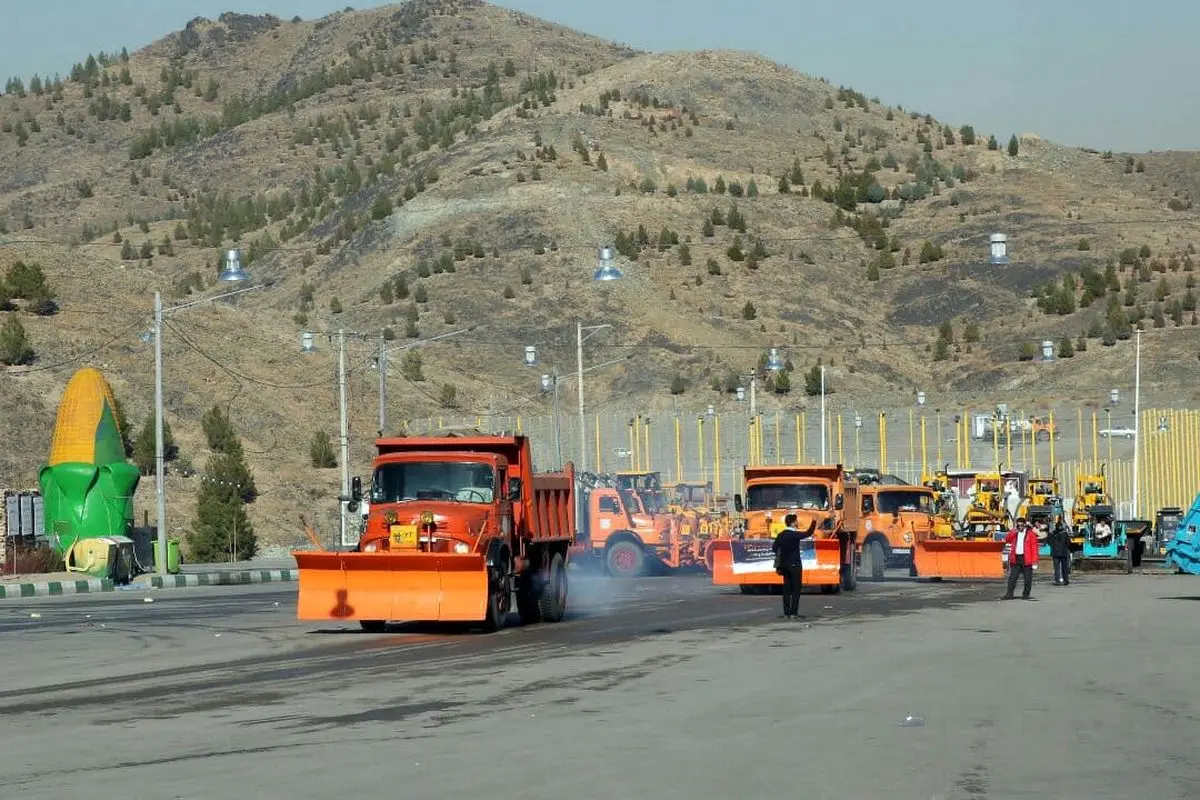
pixel 356 489
pixel 737 503
pixel 514 489
pixel 839 502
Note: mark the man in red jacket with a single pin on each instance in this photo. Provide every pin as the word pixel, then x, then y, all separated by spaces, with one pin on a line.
pixel 1022 544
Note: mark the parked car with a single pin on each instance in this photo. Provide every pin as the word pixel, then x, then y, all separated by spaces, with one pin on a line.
pixel 1117 433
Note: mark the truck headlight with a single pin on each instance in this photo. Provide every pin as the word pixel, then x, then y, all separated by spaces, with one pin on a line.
pixel 370 547
pixel 462 548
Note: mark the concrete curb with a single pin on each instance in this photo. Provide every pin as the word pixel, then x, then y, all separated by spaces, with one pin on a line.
pixel 229 578
pixel 182 581
pixel 54 588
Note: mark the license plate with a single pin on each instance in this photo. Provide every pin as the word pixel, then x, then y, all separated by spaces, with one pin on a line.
pixel 403 536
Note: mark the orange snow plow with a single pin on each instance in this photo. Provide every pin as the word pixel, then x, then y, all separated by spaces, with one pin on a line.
pixel 750 563
pixel 456 526
pixel 958 558
pixel 392 586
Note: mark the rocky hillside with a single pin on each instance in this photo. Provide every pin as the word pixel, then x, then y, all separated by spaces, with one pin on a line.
pixel 438 165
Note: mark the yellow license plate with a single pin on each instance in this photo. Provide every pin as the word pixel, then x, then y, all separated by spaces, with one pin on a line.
pixel 403 535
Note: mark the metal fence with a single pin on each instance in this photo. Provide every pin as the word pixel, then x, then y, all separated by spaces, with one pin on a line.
pixel 909 444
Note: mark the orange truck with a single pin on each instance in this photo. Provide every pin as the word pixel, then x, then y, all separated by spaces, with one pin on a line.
pixel 457 527
pixel 890 520
pixel 816 493
pixel 627 532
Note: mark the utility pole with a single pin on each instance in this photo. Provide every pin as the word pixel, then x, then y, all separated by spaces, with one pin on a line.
pixel 557 427
pixel 753 395
pixel 1137 414
pixel 381 365
pixel 345 434
pixel 579 385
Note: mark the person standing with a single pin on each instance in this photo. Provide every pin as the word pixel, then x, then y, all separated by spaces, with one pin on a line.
pixel 788 563
pixel 1022 555
pixel 1060 551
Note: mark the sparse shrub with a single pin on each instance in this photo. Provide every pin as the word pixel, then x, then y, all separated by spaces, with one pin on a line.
pixel 509 294
pixel 320 451
pixel 749 311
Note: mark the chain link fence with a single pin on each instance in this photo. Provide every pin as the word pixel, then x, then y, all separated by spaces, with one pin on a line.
pixel 908 443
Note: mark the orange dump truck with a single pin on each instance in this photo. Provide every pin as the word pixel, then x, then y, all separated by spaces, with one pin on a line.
pixel 890 520
pixel 456 527
pixel 816 494
pixel 630 532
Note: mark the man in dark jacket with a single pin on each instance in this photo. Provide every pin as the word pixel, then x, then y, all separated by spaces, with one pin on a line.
pixel 788 563
pixel 1060 550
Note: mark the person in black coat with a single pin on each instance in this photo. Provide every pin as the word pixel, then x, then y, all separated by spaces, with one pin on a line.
pixel 1060 550
pixel 788 563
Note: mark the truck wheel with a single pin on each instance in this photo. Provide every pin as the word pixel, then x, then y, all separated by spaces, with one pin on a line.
pixel 625 560
pixel 874 559
pixel 373 625
pixel 552 601
pixel 528 606
pixel 849 580
pixel 498 588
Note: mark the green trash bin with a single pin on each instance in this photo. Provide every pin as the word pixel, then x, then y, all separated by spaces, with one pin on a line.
pixel 173 556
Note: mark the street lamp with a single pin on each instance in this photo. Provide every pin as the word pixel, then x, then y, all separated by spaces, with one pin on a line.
pixel 608 270
pixel 1137 409
pixel 823 442
pixel 774 362
pixel 531 356
pixel 231 273
pixel 550 383
pixel 579 340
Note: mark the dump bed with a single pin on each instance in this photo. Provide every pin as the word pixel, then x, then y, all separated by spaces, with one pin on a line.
pixel 784 472
pixel 552 506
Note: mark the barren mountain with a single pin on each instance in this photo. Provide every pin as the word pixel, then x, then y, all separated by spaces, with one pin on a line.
pixel 438 165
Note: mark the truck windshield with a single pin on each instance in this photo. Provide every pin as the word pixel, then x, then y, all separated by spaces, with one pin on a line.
pixel 433 480
pixel 767 496
pixel 893 502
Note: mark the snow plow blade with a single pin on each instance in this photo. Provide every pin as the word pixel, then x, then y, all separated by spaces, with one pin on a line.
pixel 756 563
pixel 392 587
pixel 958 559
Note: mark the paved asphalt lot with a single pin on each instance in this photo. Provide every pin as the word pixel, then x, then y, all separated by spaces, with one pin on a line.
pixel 661 687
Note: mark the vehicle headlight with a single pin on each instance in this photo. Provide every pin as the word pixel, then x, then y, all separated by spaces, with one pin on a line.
pixel 370 547
pixel 426 517
pixel 461 547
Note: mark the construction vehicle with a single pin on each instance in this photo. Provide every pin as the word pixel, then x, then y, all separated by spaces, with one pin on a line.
pixel 890 520
pixel 945 504
pixel 1166 524
pixel 1090 491
pixel 1043 429
pixel 698 510
pixel 1042 503
pixel 457 526
pixel 1183 548
pixel 986 513
pixel 621 529
pixel 1113 547
pixel 817 495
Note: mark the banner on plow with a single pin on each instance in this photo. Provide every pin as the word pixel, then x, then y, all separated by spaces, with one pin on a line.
pixel 752 556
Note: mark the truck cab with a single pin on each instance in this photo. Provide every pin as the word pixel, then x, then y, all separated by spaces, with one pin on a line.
pixel 891 520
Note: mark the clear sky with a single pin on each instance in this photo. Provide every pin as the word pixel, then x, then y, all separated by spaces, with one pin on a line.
pixel 1109 74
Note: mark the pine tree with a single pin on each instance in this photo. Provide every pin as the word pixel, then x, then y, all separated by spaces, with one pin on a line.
pixel 143 446
pixel 221 528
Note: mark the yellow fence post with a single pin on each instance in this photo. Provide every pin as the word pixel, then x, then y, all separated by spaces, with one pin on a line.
pixel 841 444
pixel 716 455
pixel 700 447
pixel 678 452
pixel 778 440
pixel 646 459
pixel 912 447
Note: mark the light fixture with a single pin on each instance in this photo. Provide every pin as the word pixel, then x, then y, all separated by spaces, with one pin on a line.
pixel 1114 396
pixel 547 382
pixel 530 356
pixel 712 412
pixel 774 362
pixel 741 393
pixel 858 420
pixel 920 398
pixel 608 270
pixel 307 344
pixel 233 272
pixel 999 248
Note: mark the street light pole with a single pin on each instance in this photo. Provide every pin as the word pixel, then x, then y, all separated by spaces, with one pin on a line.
pixel 232 272
pixel 381 365
pixel 823 454
pixel 159 460
pixel 344 434
pixel 579 388
pixel 1137 407
pixel 557 427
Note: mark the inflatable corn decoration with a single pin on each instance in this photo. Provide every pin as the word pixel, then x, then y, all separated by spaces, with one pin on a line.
pixel 87 485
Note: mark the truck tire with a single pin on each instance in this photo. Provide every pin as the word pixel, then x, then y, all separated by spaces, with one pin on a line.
pixel 373 625
pixel 528 598
pixel 874 559
pixel 849 580
pixel 625 559
pixel 552 600
pixel 498 589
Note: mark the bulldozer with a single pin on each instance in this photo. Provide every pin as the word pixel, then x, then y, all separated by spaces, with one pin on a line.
pixel 945 505
pixel 972 549
pixel 1042 503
